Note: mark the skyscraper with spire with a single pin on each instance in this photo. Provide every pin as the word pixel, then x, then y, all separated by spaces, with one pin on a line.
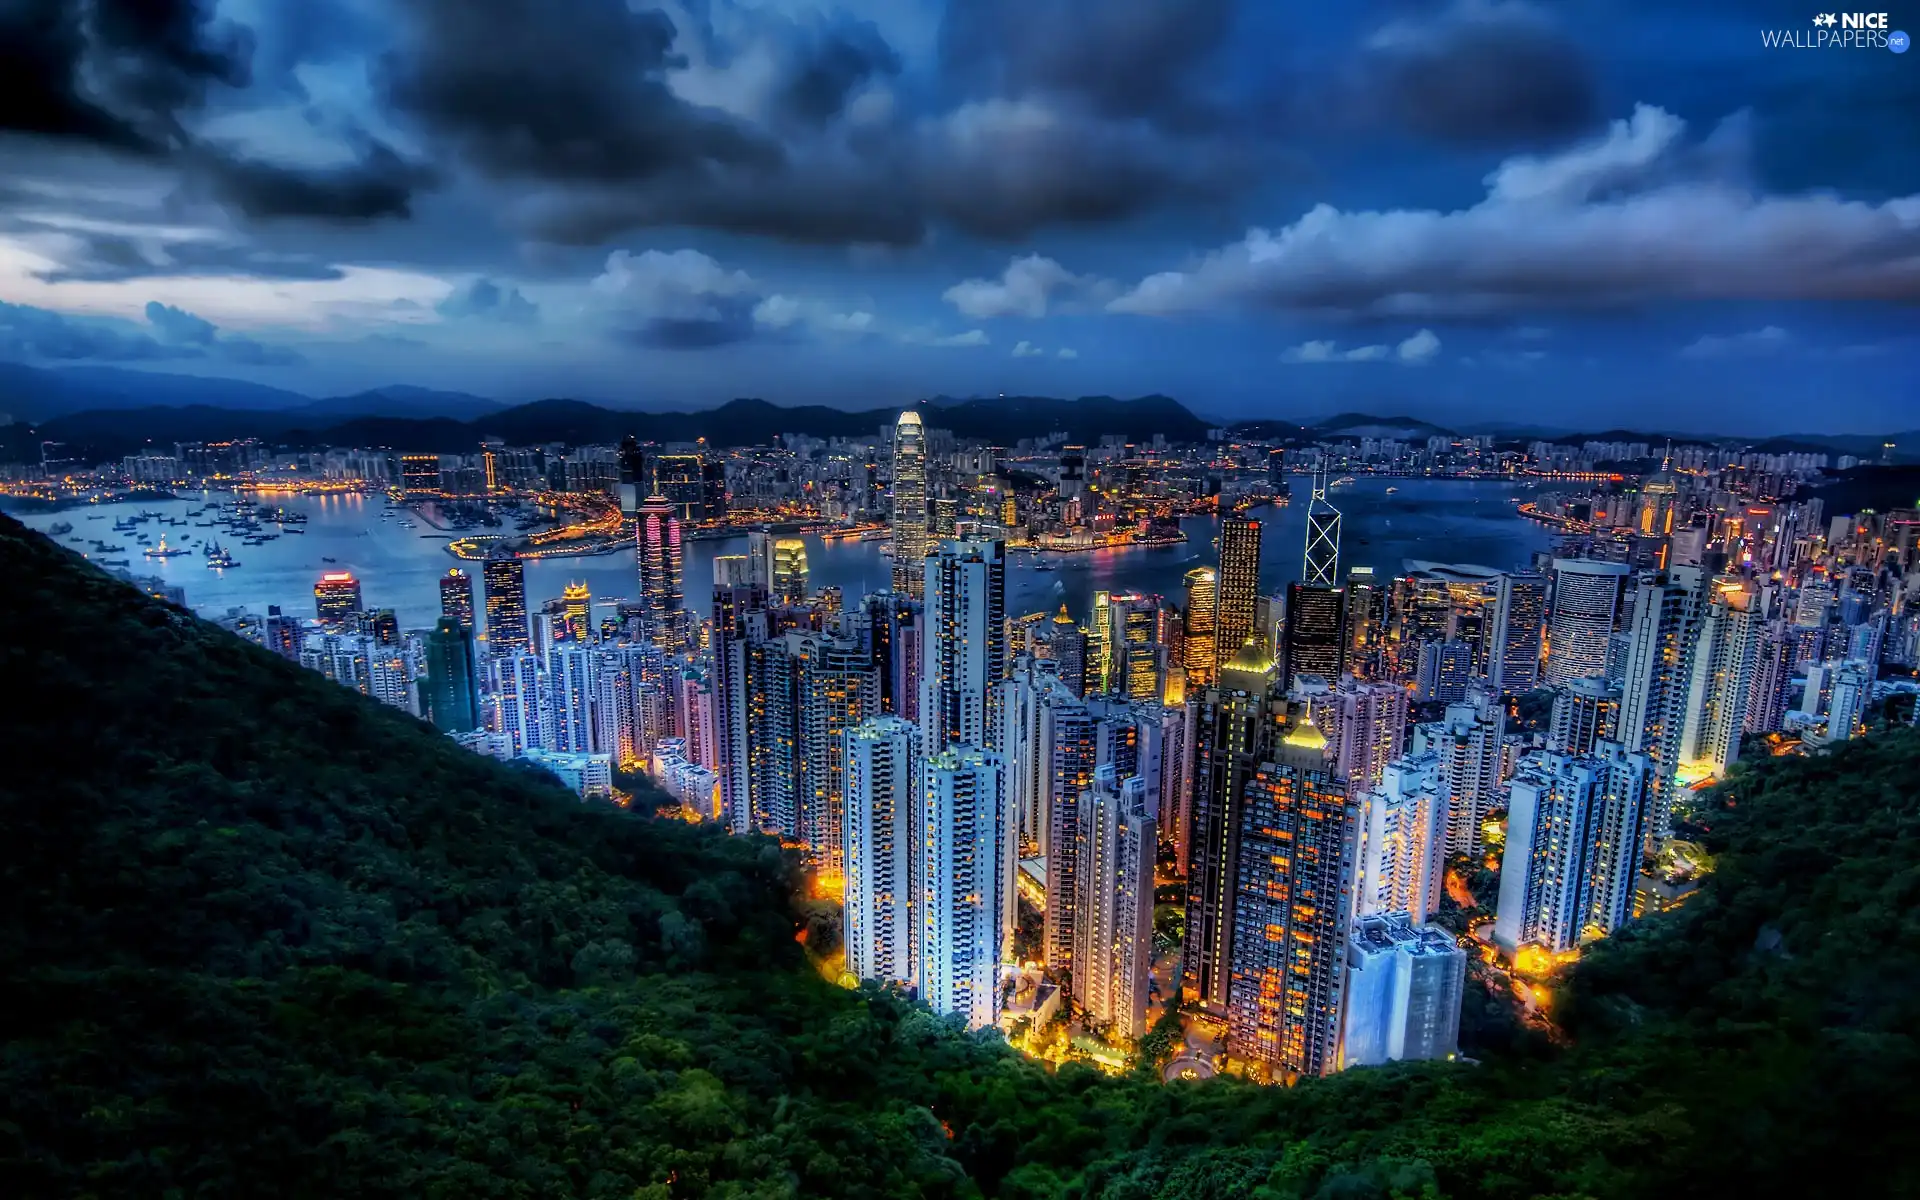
pixel 1321 567
pixel 909 504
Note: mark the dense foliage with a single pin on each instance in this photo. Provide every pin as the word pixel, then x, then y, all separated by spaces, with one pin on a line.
pixel 261 937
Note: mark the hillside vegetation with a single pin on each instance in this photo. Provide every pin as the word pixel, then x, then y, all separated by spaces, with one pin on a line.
pixel 261 937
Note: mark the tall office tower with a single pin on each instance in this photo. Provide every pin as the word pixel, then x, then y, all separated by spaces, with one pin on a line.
pixel 1277 472
pixel 1585 711
pixel 1100 650
pixel 448 690
pixel 635 482
pixel 1444 671
pixel 571 671
pixel 576 611
pixel 660 555
pixel 1724 652
pixel 456 597
pixel 1235 726
pixel 1137 645
pixel 909 505
pixel 1468 741
pixel 1238 588
pixel 1070 651
pixel 1314 642
pixel 1292 904
pixel 963 650
pixel 1200 658
pixel 1321 566
pixel 677 477
pixel 336 599
pixel 1847 709
pixel 1519 619
pixel 1405 982
pixel 503 580
pixel 518 701
pixel 1403 840
pixel 835 689
pixel 735 598
pixel 1772 678
pixel 880 849
pixel 1574 832
pixel 1664 628
pixel 1658 500
pixel 713 490
pixel 1366 724
pixel 966 881
pixel 1586 605
pixel 789 571
pixel 1366 623
pixel 1113 931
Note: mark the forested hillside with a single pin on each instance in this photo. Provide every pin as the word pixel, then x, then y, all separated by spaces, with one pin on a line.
pixel 260 937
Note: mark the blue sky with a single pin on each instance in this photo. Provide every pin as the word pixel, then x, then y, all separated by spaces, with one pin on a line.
pixel 1579 215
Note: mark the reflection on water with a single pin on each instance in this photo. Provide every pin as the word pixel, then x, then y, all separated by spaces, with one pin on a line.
pixel 1442 520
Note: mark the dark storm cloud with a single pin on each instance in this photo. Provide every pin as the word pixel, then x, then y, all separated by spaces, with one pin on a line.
pixel 28 332
pixel 1121 57
pixel 113 258
pixel 1482 72
pixel 132 75
pixel 828 63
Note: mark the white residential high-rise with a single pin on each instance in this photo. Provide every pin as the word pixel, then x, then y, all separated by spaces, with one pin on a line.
pixel 1574 832
pixel 966 883
pixel 1365 725
pixel 1847 708
pixel 1726 649
pixel 572 670
pixel 1404 987
pixel 1586 601
pixel 1403 840
pixel 1664 628
pixel 1468 743
pixel 1113 928
pixel 909 503
pixel 881 849
pixel 963 650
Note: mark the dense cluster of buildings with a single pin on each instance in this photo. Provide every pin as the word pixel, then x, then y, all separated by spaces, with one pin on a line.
pixel 1297 768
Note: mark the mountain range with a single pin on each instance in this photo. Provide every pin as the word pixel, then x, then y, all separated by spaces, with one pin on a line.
pixel 102 413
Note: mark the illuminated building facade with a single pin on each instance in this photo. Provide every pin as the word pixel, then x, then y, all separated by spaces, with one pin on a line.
pixel 1403 839
pixel 1113 929
pixel 503 580
pixel 1519 620
pixel 336 598
pixel 1239 585
pixel 1200 655
pixel 1292 901
pixel 963 647
pixel 789 575
pixel 1405 982
pixel 450 700
pixel 1586 603
pixel 661 563
pixel 456 597
pixel 880 849
pixel 1585 712
pixel 910 512
pixel 1314 641
pixel 966 883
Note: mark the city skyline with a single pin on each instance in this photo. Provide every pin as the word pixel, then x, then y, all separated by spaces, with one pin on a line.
pixel 1449 213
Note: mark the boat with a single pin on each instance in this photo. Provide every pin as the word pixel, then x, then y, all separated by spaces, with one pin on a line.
pixel 163 550
pixel 1392 490
pixel 293 531
pixel 76 538
pixel 115 562
pixel 325 559
pixel 211 548
pixel 221 561
pixel 59 528
pixel 1343 481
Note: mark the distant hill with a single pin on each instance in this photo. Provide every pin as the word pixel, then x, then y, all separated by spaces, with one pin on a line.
pixel 444 423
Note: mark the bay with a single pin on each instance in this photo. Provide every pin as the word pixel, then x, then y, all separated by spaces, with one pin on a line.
pixel 1442 520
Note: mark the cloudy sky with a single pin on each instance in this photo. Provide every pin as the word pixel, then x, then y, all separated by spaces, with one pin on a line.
pixel 1578 214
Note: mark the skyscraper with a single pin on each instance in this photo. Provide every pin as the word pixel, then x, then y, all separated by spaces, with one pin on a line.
pixel 1113 933
pixel 1239 585
pixel 1200 656
pixel 1403 839
pixel 1366 622
pixel 1726 649
pixel 1292 903
pixel 447 692
pixel 1365 723
pixel 735 598
pixel 909 504
pixel 576 610
pixel 1070 651
pixel 1468 742
pixel 1314 641
pixel 964 646
pixel 1405 982
pixel 836 689
pixel 1234 728
pixel 789 571
pixel 1664 628
pixel 503 580
pixel 965 883
pixel 1585 711
pixel 456 597
pixel 336 598
pixel 1321 566
pixel 1586 603
pixel 660 558
pixel 881 849
pixel 1574 833
pixel 1519 619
